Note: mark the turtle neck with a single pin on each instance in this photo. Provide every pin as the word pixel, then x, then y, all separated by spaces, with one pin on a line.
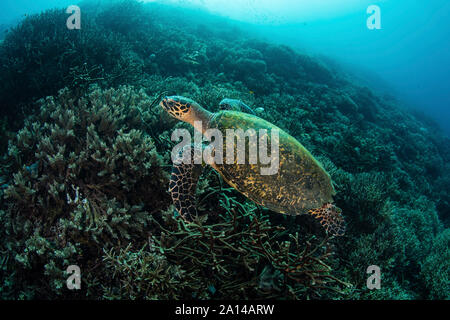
pixel 197 115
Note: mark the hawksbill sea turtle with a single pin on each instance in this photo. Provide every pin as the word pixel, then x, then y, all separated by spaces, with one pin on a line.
pixel 300 186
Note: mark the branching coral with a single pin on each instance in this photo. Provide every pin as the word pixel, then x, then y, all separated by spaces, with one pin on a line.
pixel 232 254
pixel 41 56
pixel 81 172
pixel 435 271
pixel 141 274
pixel 86 181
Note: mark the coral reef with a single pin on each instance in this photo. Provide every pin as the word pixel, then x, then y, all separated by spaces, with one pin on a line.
pixel 83 179
pixel 80 174
pixel 82 171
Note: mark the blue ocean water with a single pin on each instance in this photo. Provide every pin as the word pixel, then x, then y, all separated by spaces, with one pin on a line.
pixel 409 56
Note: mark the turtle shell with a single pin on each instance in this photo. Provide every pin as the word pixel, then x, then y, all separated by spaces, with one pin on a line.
pixel 299 184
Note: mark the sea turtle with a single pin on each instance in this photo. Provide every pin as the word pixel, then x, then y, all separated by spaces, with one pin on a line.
pixel 299 186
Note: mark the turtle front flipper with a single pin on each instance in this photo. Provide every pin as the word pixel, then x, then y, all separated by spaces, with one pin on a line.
pixel 183 183
pixel 235 105
pixel 330 217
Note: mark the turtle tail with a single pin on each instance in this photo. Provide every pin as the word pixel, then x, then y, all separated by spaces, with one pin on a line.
pixel 330 217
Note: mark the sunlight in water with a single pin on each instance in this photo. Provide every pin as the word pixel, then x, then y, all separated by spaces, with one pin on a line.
pixel 280 11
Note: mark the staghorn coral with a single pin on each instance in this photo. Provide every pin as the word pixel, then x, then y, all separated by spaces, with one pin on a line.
pixel 39 57
pixel 142 274
pixel 231 250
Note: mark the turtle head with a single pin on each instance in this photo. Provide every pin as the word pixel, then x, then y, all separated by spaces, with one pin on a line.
pixel 179 107
pixel 187 110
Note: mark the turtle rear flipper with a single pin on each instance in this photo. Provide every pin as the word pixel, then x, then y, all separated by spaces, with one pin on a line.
pixel 330 217
pixel 183 183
